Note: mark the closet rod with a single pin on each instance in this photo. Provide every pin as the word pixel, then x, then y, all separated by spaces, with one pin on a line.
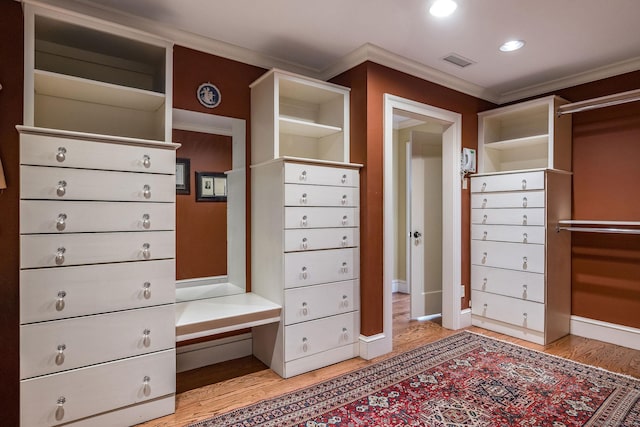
pixel 617 227
pixel 603 101
pixel 599 230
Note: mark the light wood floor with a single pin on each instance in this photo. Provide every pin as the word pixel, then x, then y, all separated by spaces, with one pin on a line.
pixel 244 381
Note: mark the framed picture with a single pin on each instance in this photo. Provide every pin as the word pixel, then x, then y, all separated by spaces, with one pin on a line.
pixel 211 187
pixel 183 183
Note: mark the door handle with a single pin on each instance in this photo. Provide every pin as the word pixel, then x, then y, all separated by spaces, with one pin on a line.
pixel 417 234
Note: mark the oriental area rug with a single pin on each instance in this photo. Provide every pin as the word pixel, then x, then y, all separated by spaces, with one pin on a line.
pixel 460 381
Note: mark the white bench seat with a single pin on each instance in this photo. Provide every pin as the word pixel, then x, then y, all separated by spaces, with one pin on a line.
pixel 211 316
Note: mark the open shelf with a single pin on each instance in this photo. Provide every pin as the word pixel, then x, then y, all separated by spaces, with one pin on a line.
pixel 510 144
pixel 305 128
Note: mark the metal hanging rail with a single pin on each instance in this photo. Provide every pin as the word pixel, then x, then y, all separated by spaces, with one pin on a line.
pixel 603 101
pixel 610 227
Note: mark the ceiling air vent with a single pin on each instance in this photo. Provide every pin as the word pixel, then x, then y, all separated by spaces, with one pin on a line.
pixel 458 60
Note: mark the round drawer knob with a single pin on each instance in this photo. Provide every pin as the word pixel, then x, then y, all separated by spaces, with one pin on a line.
pixel 303 199
pixel 484 284
pixel 344 199
pixel 61 222
pixel 524 263
pixel 61 189
pixel 305 309
pixel 146 221
pixel 484 219
pixel 345 241
pixel 60 408
pixel 345 220
pixel 345 334
pixel 60 354
pixel 303 176
pixel 524 220
pixel 60 300
pixel 146 290
pixel 146 387
pixel 525 202
pixel 345 301
pixel 146 191
pixel 304 221
pixel 304 243
pixel 60 256
pixel 304 273
pixel 484 257
pixel 146 161
pixel 305 344
pixel 344 268
pixel 344 179
pixel 484 236
pixel 146 337
pixel 524 184
pixel 484 186
pixel 61 155
pixel 146 251
pixel 484 203
pixel 524 291
pixel 525 238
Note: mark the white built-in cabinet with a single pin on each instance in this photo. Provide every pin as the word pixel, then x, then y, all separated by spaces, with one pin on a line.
pixel 305 223
pixel 520 264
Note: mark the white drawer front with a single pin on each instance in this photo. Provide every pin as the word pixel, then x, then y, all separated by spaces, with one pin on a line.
pixel 509 233
pixel 317 195
pixel 50 250
pixel 320 238
pixel 296 173
pixel 304 217
pixel 61 345
pixel 520 199
pixel 316 336
pixel 48 150
pixel 508 182
pixel 523 216
pixel 96 389
pixel 514 256
pixel 314 302
pixel 57 293
pixel 312 268
pixel 516 284
pixel 49 216
pixel 525 314
pixel 79 184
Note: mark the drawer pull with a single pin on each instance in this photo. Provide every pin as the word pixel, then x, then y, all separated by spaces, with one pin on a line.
pixel 484 236
pixel 303 199
pixel 484 186
pixel 524 291
pixel 303 176
pixel 60 355
pixel 484 284
pixel 146 161
pixel 146 337
pixel 61 223
pixel 525 238
pixel 146 191
pixel 61 190
pixel 61 155
pixel 344 199
pixel 146 251
pixel 303 273
pixel 146 290
pixel 484 257
pixel 344 268
pixel 524 202
pixel 484 219
pixel 60 408
pixel 345 241
pixel 146 221
pixel 304 221
pixel 60 300
pixel 524 220
pixel 345 301
pixel 305 344
pixel 344 179
pixel 524 320
pixel 524 262
pixel 524 184
pixel 305 309
pixel 345 334
pixel 484 203
pixel 146 388
pixel 60 256
pixel 345 220
pixel 304 244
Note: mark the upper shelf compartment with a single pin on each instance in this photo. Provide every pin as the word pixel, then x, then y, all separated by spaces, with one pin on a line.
pixel 295 116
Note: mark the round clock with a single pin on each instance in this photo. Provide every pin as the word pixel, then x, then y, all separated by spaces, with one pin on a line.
pixel 209 95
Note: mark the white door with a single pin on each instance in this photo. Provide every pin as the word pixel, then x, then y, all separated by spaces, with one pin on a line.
pixel 424 223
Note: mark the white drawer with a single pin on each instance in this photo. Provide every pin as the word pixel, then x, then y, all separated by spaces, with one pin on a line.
pixel 522 216
pixel 525 314
pixel 508 182
pixel 57 293
pixel 96 389
pixel 520 199
pixel 48 150
pixel 318 195
pixel 297 173
pixel 60 345
pixel 312 268
pixel 509 233
pixel 56 216
pixel 310 217
pixel 314 302
pixel 316 336
pixel 320 238
pixel 514 256
pixel 51 250
pixel 516 284
pixel 38 182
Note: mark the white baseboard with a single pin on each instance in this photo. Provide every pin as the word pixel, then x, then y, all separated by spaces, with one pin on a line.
pixel 210 352
pixel 374 346
pixel 465 318
pixel 603 331
pixel 399 286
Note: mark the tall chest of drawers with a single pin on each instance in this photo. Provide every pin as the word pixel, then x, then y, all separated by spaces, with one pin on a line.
pixel 97 279
pixel 520 264
pixel 305 223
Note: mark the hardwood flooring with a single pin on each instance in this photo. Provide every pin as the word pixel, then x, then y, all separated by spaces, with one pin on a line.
pixel 245 381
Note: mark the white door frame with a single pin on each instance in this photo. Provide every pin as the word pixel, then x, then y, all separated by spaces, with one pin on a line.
pixel 452 315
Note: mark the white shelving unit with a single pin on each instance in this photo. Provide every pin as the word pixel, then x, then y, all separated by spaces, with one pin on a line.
pixel 523 136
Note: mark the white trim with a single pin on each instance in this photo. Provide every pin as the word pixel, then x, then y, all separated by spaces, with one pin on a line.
pixel 465 318
pixel 375 345
pixel 604 331
pixel 207 353
pixel 399 286
pixel 452 215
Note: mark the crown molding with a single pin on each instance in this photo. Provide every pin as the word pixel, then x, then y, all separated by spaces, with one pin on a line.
pixel 373 53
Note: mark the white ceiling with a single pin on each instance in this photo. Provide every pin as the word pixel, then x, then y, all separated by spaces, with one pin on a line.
pixel 568 41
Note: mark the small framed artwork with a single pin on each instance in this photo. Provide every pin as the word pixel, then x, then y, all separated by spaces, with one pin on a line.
pixel 211 187
pixel 183 169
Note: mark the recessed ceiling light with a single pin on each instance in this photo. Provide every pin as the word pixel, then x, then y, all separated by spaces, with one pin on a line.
pixel 512 45
pixel 442 8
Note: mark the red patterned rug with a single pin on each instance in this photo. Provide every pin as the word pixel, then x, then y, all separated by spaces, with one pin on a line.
pixel 461 381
